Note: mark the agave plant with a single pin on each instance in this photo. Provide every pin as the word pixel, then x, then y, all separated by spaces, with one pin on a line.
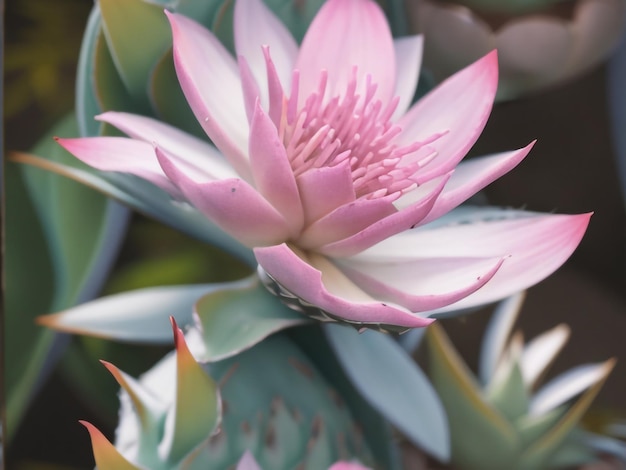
pixel 498 420
pixel 271 406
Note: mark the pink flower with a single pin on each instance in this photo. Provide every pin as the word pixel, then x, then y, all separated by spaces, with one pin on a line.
pixel 331 177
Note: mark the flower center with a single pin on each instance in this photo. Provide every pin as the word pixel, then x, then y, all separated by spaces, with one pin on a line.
pixel 352 127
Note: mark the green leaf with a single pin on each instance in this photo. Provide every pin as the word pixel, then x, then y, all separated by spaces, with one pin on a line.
pixel 149 200
pixel 203 11
pixel 473 422
pixel 297 16
pixel 394 384
pixel 223 23
pixel 168 99
pixel 108 88
pixel 106 455
pixel 86 104
pixel 59 242
pixel 509 394
pixel 77 221
pixel 532 428
pixel 197 410
pixel 138 316
pixel 543 448
pixel 148 409
pixel 138 34
pixel 376 430
pixel 240 315
pixel 28 269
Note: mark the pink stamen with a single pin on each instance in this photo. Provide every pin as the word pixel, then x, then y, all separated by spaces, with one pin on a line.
pixel 353 127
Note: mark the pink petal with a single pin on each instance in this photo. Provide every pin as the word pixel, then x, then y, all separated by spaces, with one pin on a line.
pixel 120 154
pixel 275 89
pixel 471 176
pixel 534 245
pixel 256 26
pixel 347 466
pixel 345 221
pixel 324 189
pixel 460 105
pixel 344 34
pixel 232 204
pixel 400 221
pixel 320 283
pixel 408 61
pixel 196 152
pixel 421 284
pixel 271 170
pixel 249 87
pixel 248 462
pixel 209 77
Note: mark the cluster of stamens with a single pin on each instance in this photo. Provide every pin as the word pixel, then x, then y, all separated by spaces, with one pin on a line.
pixel 353 127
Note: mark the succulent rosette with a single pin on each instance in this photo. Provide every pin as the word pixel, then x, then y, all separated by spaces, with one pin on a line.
pixel 323 168
pixel 542 43
pixel 267 408
pixel 525 424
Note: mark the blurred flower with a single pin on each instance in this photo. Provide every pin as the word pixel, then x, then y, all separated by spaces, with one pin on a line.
pixel 328 176
pixel 537 48
pixel 523 428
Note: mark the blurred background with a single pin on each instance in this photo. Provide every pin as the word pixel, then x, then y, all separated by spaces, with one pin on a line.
pixel 572 169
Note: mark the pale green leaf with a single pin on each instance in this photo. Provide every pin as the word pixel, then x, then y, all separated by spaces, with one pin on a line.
pixel 239 316
pixel 197 409
pixel 473 422
pixel 140 315
pixel 393 384
pixel 138 34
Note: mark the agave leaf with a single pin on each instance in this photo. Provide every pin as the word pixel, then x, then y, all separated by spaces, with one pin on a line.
pixel 86 104
pixel 496 335
pixel 149 200
pixel 393 384
pixel 320 451
pixel 509 395
pixel 106 455
pixel 569 384
pixel 466 404
pixel 412 339
pixel 139 316
pixel 81 227
pixel 539 353
pixel 137 34
pixel 29 269
pixel 532 428
pixel 542 449
pixel 223 22
pixel 108 87
pixel 240 315
pixel 376 431
pixel 167 98
pixel 297 16
pixel 148 409
pixel 570 455
pixel 280 376
pixel 61 239
pixel 197 410
pixel 203 12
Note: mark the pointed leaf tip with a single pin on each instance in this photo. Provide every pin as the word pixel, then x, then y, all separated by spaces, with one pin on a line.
pixel 197 410
pixel 107 457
